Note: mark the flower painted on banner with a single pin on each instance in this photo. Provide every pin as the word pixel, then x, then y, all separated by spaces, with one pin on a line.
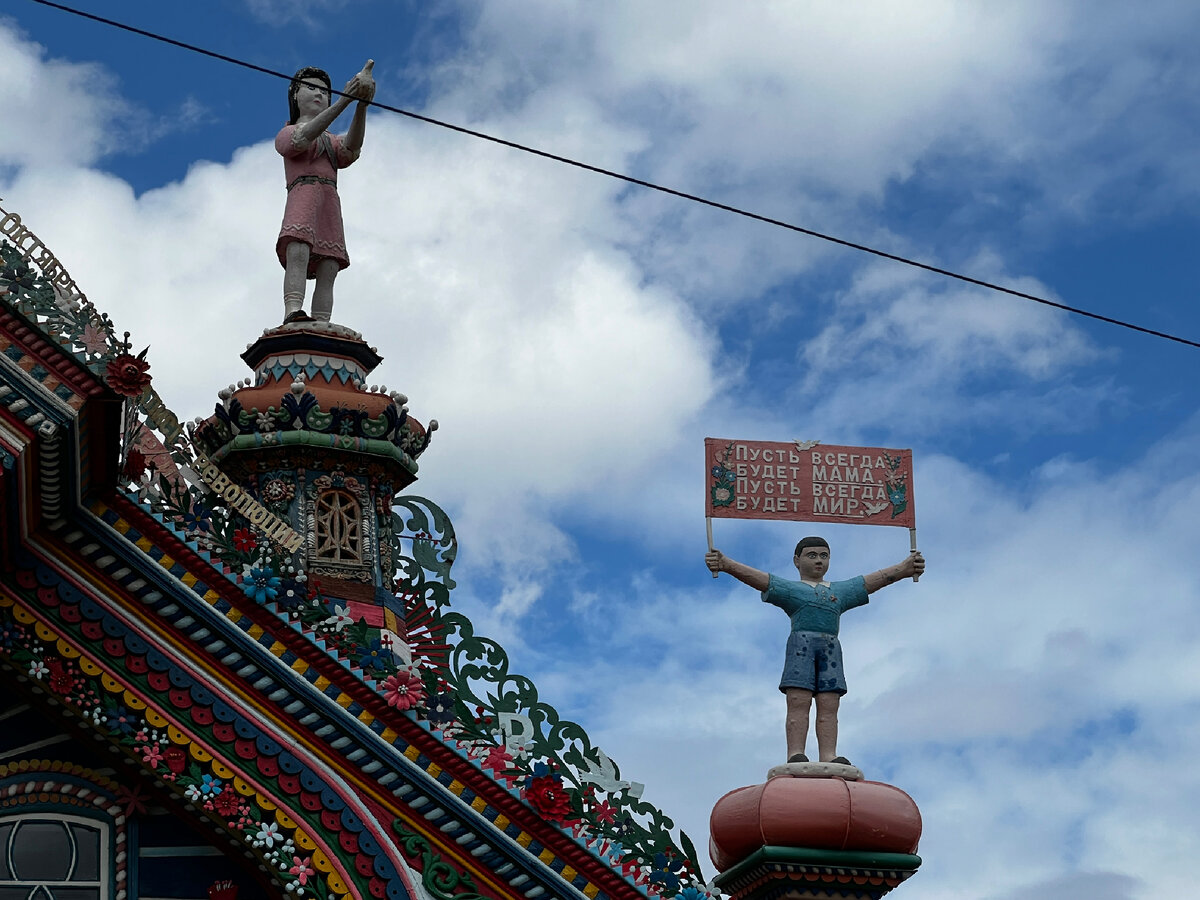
pixel 244 540
pixel 339 620
pixel 268 835
pixel 152 755
pixel 38 669
pixel 404 689
pixel 175 759
pixel 128 375
pixel 302 869
pixel 193 792
pixel 261 585
pixel 93 340
pixel 722 495
pixel 210 785
pixel 547 795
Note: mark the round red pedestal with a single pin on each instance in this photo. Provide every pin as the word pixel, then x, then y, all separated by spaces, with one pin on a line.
pixel 815 813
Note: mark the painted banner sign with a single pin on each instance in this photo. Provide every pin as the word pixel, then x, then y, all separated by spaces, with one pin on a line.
pixel 806 481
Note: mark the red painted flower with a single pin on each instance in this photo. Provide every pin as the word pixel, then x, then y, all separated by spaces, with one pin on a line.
pixel 404 689
pixel 175 759
pixel 603 812
pixel 227 803
pixel 547 795
pixel 244 540
pixel 61 680
pixel 128 375
pixel 135 465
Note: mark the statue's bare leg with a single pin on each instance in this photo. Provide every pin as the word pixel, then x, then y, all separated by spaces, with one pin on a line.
pixel 796 725
pixel 294 275
pixel 322 304
pixel 827 724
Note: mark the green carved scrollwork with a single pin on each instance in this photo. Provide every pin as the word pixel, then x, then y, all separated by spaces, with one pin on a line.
pixel 439 878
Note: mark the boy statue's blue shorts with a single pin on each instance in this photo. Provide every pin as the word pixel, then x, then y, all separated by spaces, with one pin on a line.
pixel 814 662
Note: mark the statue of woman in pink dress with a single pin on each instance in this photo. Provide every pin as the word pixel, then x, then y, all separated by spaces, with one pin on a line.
pixel 311 242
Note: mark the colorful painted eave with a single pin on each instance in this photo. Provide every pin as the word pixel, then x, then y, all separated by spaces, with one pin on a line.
pixel 118 596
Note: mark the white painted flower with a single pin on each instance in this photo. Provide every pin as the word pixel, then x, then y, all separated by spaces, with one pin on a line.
pixel 193 792
pixel 265 421
pixel 340 619
pixel 37 669
pixel 268 835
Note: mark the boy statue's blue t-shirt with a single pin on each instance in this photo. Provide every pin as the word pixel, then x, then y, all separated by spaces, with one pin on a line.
pixel 815 607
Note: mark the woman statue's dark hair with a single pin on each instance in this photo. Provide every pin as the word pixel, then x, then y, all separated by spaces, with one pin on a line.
pixel 308 73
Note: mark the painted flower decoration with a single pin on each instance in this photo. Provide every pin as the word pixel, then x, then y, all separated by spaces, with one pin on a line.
pixel 228 803
pixel 196 519
pixel 441 709
pixel 268 835
pixel 604 812
pixel 152 755
pixel 193 792
pixel 339 620
pixel 61 680
pixel 38 669
pixel 120 720
pixel 128 375
pixel 278 491
pixel 291 593
pixel 210 785
pixel 403 690
pixel 261 585
pixel 244 540
pixel 93 340
pixel 374 656
pixel 302 869
pixel 264 421
pixel 498 759
pixel 547 795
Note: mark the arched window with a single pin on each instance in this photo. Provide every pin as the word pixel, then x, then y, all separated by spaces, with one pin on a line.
pixel 339 528
pixel 53 858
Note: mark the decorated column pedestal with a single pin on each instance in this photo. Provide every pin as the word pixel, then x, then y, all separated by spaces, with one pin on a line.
pixel 325 456
pixel 814 830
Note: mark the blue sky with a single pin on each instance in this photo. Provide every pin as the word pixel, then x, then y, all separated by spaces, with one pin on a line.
pixel 1038 693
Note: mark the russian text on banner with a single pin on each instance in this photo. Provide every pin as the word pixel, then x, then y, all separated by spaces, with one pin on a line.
pixel 808 482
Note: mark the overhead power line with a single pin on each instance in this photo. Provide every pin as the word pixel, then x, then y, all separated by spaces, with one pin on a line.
pixel 649 185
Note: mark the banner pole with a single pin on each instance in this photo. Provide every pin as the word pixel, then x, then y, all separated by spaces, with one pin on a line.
pixel 912 546
pixel 708 525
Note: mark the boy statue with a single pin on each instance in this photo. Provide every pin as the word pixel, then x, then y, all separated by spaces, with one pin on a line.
pixel 813 667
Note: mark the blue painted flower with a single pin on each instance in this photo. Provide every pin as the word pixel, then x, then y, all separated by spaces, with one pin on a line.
pixel 210 785
pixel 196 519
pixel 374 656
pixel 291 593
pixel 120 719
pixel 261 585
pixel 441 709
pixel 692 893
pixel 9 634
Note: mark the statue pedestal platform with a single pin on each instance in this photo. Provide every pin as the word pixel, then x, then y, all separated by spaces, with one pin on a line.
pixel 816 770
pixel 811 831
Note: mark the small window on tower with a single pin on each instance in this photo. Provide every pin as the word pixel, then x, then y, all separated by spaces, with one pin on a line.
pixel 339 527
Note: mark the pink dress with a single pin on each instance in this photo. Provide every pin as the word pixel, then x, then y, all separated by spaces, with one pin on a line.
pixel 313 213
